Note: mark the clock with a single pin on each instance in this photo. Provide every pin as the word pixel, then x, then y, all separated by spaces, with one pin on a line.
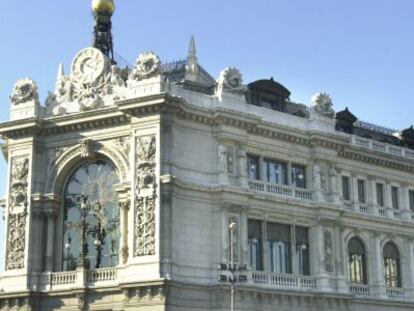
pixel 88 65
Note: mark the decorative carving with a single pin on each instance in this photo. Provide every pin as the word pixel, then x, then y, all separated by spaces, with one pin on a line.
pixel 322 104
pixel 231 80
pixel 92 79
pixel 329 260
pixel 87 150
pixel 145 229
pixel 123 144
pixel 16 241
pixel 24 90
pixel 146 197
pixel 18 183
pixel 148 65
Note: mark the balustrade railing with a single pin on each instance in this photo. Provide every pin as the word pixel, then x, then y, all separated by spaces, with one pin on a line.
pixel 397 214
pixel 395 292
pixel 382 147
pixel 102 275
pixel 62 278
pixel 283 280
pixel 382 212
pixel 280 190
pixel 363 208
pixel 359 290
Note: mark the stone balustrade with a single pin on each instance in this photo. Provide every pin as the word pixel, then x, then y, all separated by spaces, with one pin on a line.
pixel 359 290
pixel 382 147
pixel 279 280
pixel 280 190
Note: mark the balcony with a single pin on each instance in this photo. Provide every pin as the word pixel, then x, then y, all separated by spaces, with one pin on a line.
pixel 359 290
pixel 395 292
pixel 280 190
pixel 279 280
pixel 72 279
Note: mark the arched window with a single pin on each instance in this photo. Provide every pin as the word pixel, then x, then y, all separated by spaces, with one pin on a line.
pixel 356 261
pixel 392 266
pixel 91 217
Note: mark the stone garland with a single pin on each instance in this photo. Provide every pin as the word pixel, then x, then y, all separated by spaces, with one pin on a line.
pixel 17 218
pixel 329 259
pixel 145 197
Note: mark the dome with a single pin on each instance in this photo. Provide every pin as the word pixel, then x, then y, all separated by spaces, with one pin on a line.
pixel 103 6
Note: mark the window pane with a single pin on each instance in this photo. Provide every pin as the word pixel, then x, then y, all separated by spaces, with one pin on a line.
pixel 278 236
pixel 392 266
pixel 380 194
pixel 411 195
pixel 345 188
pixel 361 191
pixel 254 243
pixel 275 172
pixel 90 206
pixel 302 250
pixel 356 261
pixel 394 195
pixel 299 176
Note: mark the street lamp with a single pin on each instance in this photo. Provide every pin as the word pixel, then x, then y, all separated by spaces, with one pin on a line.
pixel 232 227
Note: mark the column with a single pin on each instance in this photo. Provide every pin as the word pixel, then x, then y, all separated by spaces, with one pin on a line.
pixel 371 196
pixel 242 160
pixel 294 260
pixel 377 272
pixel 51 217
pixel 404 202
pixel 244 260
pixel 333 185
pixel 339 258
pixel 289 173
pixel 124 250
pixel 317 257
pixel 354 191
pixel 409 275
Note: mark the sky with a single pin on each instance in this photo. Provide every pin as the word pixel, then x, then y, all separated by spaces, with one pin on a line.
pixel 359 52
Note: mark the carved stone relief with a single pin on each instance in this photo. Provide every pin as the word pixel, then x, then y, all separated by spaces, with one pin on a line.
pixel 148 65
pixel 222 159
pixel 145 229
pixel 16 239
pixel 231 80
pixel 329 259
pixel 24 90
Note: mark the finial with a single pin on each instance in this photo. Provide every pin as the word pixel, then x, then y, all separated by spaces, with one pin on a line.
pixel 192 51
pixel 103 7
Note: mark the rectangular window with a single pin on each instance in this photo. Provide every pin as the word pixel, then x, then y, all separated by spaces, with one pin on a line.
pixel 394 197
pixel 255 244
pixel 278 238
pixel 345 188
pixel 253 167
pixel 302 250
pixel 380 194
pixel 411 199
pixel 298 176
pixel 361 191
pixel 275 172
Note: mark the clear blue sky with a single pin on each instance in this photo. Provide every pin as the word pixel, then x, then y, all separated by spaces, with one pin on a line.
pixel 360 52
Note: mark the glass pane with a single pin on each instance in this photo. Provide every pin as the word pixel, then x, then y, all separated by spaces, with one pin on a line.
pixel 411 195
pixel 345 188
pixel 91 211
pixel 394 195
pixel 361 191
pixel 253 167
pixel 380 194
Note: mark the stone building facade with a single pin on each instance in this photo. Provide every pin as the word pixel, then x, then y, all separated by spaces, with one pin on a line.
pixel 122 187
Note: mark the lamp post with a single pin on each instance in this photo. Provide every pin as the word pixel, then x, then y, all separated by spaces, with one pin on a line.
pixel 232 227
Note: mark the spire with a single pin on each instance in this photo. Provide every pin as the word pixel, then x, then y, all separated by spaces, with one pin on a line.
pixel 192 52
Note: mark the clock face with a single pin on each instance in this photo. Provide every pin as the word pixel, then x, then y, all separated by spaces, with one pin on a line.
pixel 88 65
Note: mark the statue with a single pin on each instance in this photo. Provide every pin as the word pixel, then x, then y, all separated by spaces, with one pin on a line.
pixel 222 159
pixel 322 104
pixel 231 80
